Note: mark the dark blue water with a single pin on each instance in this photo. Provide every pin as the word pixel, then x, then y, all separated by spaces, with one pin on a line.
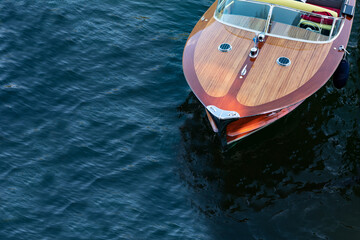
pixel 101 138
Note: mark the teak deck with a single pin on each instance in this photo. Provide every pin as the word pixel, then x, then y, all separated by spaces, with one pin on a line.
pixel 215 77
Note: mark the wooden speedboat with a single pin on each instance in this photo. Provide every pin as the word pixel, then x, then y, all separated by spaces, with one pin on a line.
pixel 252 62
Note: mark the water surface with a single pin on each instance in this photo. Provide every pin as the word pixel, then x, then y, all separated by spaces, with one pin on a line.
pixel 101 138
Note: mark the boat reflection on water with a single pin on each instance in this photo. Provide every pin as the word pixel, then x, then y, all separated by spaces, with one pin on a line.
pixel 289 165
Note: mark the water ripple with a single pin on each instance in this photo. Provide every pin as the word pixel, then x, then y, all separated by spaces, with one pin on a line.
pixel 100 138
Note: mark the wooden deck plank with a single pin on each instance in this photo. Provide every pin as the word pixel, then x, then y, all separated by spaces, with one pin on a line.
pixel 268 81
pixel 218 70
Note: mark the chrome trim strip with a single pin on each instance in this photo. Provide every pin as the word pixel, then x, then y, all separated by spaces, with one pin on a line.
pixel 267 25
pixel 332 29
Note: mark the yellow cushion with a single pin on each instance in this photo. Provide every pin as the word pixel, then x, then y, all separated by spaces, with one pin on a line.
pixel 318 25
pixel 300 6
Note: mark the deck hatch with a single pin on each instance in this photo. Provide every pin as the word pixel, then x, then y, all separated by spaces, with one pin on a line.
pixel 283 61
pixel 225 47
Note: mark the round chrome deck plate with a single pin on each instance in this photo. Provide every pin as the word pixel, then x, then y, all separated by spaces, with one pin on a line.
pixel 224 47
pixel 283 61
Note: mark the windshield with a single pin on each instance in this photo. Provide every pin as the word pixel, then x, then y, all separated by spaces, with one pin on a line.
pixel 280 21
pixel 249 15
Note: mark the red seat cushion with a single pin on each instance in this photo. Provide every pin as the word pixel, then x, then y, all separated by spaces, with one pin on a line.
pixel 318 19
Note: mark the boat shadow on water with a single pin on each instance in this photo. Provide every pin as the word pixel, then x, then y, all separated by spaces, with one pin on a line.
pixel 292 157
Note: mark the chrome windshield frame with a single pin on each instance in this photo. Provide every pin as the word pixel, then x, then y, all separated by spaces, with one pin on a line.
pixel 269 17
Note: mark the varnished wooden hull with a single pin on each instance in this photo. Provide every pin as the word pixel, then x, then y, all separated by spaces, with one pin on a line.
pixel 218 79
pixel 249 125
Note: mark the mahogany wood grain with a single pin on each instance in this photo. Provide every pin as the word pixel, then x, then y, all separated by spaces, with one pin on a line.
pixel 268 81
pixel 289 93
pixel 246 126
pixel 217 70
